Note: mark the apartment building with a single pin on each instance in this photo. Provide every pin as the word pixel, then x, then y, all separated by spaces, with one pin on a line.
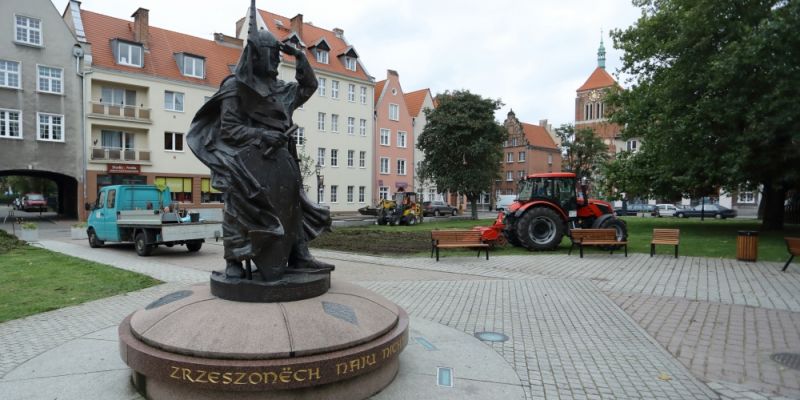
pixel 529 149
pixel 394 140
pixel 40 99
pixel 336 124
pixel 417 102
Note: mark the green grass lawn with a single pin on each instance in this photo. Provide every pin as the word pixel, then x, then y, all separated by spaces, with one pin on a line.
pixel 709 238
pixel 34 280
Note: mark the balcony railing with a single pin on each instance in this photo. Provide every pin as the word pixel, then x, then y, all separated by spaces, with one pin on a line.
pixel 120 111
pixel 117 154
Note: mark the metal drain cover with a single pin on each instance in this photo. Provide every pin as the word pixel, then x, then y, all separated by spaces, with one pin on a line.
pixel 788 360
pixel 491 336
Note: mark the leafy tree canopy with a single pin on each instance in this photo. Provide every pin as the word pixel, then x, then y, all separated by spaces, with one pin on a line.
pixel 462 144
pixel 713 95
pixel 584 152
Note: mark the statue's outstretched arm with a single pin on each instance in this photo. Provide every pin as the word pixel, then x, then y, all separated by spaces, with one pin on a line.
pixel 304 74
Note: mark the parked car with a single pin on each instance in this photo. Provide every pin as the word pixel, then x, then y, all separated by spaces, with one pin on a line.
pixel 368 210
pixel 437 208
pixel 636 209
pixel 504 201
pixel 710 210
pixel 666 210
pixel 34 202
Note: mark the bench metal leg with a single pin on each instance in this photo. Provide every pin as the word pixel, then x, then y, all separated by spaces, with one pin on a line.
pixel 437 254
pixel 487 253
pixel 580 246
pixel 433 246
pixel 676 251
pixel 787 263
pixel 652 249
pixel 626 250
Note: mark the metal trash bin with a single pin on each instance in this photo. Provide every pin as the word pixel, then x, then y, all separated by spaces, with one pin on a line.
pixel 747 246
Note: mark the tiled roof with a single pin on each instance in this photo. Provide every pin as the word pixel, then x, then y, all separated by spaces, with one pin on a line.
pixel 538 136
pixel 310 36
pixel 163 44
pixel 598 79
pixel 379 90
pixel 414 101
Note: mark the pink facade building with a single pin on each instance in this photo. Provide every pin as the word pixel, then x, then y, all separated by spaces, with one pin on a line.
pixel 394 140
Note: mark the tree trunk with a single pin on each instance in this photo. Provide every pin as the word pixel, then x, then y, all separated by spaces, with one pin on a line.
pixel 473 202
pixel 774 196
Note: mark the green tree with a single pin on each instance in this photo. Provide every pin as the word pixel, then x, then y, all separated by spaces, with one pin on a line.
pixel 584 152
pixel 713 95
pixel 462 144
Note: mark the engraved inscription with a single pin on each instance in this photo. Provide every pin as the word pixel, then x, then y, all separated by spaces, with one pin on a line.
pixel 283 376
pixel 340 311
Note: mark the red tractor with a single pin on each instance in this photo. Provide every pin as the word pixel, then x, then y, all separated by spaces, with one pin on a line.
pixel 548 207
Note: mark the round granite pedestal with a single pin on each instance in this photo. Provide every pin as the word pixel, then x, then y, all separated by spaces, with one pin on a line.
pixel 344 344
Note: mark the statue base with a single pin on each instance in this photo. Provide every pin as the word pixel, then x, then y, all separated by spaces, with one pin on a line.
pixel 192 344
pixel 291 287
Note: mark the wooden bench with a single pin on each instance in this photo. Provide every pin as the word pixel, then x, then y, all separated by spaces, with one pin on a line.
pixel 451 239
pixel 665 236
pixel 793 246
pixel 596 237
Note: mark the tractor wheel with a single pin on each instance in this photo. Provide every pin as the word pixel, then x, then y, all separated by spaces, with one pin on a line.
pixel 511 237
pixel 618 225
pixel 140 243
pixel 94 242
pixel 412 220
pixel 540 229
pixel 501 241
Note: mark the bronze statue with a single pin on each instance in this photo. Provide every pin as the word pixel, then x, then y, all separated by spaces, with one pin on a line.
pixel 244 135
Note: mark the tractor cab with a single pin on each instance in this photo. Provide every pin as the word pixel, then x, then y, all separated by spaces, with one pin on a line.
pixel 557 188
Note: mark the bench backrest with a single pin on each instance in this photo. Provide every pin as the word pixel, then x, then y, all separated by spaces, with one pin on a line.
pixel 666 235
pixel 793 245
pixel 579 235
pixel 453 236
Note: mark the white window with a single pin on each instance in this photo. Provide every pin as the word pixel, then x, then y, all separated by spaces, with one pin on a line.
pixel 321 121
pixel 588 111
pixel 9 74
pixel 335 123
pixel 321 156
pixel 334 89
pixel 401 167
pixel 384 165
pixel 362 193
pixel 334 193
pixel 9 124
pixel 385 133
pixel 129 54
pixel 510 176
pixel 747 197
pixel 363 95
pixel 351 93
pixel 322 56
pixel 321 87
pixel 351 125
pixel 362 159
pixel 29 30
pixel 120 96
pixel 550 159
pixel 362 127
pixel 521 156
pixel 50 79
pixel 383 192
pixel 350 63
pixel 401 139
pixel 394 112
pixel 300 136
pixel 193 66
pixel 351 154
pixel 513 142
pixel 521 174
pixel 50 127
pixel 632 145
pixel 173 101
pixel 509 157
pixel 173 141
pixel 350 191
pixel 334 157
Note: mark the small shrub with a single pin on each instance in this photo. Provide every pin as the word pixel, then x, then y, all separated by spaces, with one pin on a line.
pixel 29 226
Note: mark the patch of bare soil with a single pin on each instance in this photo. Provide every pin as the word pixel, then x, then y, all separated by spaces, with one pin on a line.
pixel 374 241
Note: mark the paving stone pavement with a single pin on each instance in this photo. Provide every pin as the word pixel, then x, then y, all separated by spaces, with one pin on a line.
pixel 574 324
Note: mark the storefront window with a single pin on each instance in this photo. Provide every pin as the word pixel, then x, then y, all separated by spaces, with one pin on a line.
pixel 207 193
pixel 181 188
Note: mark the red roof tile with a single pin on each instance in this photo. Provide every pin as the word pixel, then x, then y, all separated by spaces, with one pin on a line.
pixel 163 44
pixel 538 136
pixel 379 90
pixel 414 101
pixel 598 79
pixel 311 35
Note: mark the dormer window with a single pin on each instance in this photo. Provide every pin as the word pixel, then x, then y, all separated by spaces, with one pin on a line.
pixel 190 65
pixel 322 55
pixel 350 63
pixel 129 54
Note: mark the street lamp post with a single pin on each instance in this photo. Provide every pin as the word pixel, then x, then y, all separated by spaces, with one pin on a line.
pixel 317 170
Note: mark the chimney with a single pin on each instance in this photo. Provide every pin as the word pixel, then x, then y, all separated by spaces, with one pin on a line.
pixel 543 123
pixel 392 72
pixel 228 41
pixel 141 27
pixel 297 25
pixel 339 32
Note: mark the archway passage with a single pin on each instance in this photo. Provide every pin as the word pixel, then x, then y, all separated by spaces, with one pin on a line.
pixel 67 188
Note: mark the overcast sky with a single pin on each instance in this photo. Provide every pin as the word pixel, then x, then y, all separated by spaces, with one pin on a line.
pixel 531 54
